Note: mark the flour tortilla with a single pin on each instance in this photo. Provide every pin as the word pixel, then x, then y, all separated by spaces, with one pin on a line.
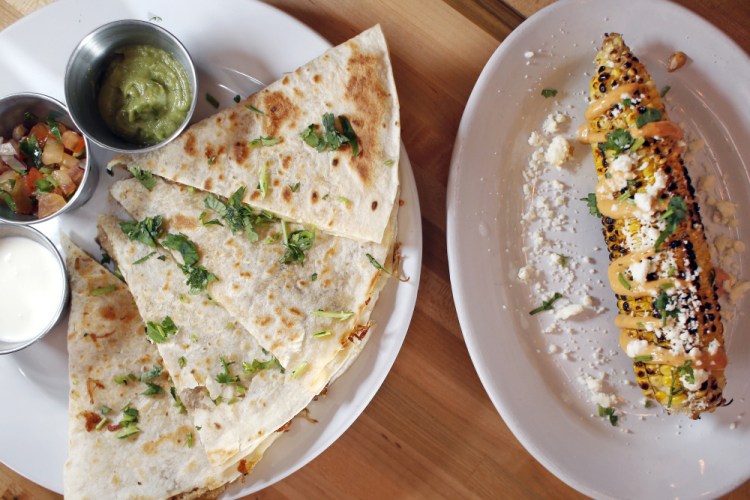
pixel 105 340
pixel 341 194
pixel 233 418
pixel 273 301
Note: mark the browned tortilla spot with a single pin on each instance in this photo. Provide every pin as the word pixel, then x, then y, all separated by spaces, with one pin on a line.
pixel 264 321
pixel 295 311
pixel 108 312
pixel 287 194
pixel 367 97
pixel 285 81
pixel 335 162
pixel 286 161
pixel 233 118
pixel 374 205
pixel 240 151
pixel 182 222
pixel 316 78
pixel 280 111
pixel 276 183
pixel 190 144
pixel 254 195
pixel 314 197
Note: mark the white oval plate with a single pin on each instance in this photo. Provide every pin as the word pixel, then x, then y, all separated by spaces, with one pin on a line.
pixel 236 45
pixel 538 394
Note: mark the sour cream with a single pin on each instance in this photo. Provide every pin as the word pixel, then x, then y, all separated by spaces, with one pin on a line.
pixel 31 288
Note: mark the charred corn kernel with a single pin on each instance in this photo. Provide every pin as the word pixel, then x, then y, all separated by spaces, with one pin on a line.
pixel 661 269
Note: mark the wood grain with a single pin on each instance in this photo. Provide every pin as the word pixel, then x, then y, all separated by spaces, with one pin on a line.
pixel 431 431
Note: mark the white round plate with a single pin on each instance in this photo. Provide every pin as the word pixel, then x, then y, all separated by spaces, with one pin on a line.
pixel 236 45
pixel 538 394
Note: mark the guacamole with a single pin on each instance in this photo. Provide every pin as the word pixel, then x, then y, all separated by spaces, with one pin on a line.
pixel 144 94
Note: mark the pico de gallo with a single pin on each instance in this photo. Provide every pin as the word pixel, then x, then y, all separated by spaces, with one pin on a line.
pixel 41 166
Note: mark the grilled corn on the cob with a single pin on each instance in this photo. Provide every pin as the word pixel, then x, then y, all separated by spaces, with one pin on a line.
pixel 661 270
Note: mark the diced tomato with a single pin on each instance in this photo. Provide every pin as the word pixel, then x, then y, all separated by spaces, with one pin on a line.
pixel 41 132
pixel 30 179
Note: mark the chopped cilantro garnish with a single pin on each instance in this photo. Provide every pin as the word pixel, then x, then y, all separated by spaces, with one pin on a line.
pixel 389 163
pixel 296 243
pixel 254 109
pixel 623 281
pixel 103 290
pixel 237 98
pixel 144 258
pixel 177 400
pixel 549 93
pixel 198 278
pixel 331 139
pixel 627 102
pixel 608 413
pixel 212 100
pixel 158 332
pixel 661 304
pixel 294 188
pixel 189 436
pixel 153 389
pixel 264 141
pixel 127 432
pixel 124 379
pixel 314 277
pixel 547 304
pixel 258 365
pixel 675 213
pixel 648 403
pixel 618 141
pixel 263 181
pixel 202 218
pixel 299 369
pixel 105 409
pixel 664 90
pixel 151 374
pixel 145 231
pixel 643 358
pixel 376 264
pixel 342 315
pixel 238 215
pixel 324 333
pixel 182 361
pixel 184 246
pixel 591 203
pixel 225 377
pixel 145 177
pixel 648 116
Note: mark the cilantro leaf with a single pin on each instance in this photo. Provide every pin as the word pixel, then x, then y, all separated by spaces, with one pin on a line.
pixel 296 243
pixel 648 116
pixel 158 332
pixel 331 139
pixel 30 148
pixel 258 365
pixel 376 264
pixel 547 304
pixel 145 231
pixel 145 177
pixel 182 244
pixel 591 203
pixel 618 140
pixel 675 213
pixel 225 377
pixel 549 93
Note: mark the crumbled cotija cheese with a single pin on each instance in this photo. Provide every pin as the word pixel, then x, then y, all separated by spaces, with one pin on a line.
pixel 568 311
pixel 558 151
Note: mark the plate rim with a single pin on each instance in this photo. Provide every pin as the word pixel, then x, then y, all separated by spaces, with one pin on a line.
pixel 408 295
pixel 455 250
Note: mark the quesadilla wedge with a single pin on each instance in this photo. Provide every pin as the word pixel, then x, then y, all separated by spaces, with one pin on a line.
pixel 237 393
pixel 126 433
pixel 318 147
pixel 303 312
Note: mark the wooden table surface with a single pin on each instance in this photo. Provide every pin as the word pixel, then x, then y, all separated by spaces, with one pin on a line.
pixel 431 430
